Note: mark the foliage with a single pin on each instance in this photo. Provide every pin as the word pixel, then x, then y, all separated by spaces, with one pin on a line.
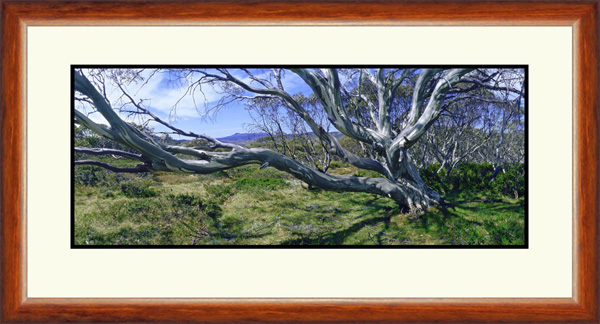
pixel 195 205
pixel 90 175
pixel 511 181
pixel 140 189
pixel 477 177
pixel 250 206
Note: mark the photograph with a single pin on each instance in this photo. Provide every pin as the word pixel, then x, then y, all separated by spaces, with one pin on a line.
pixel 299 156
pixel 300 162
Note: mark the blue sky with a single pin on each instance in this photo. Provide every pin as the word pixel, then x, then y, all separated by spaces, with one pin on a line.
pixel 191 112
pixel 162 96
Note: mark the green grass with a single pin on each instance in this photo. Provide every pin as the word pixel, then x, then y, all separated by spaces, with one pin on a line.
pixel 250 206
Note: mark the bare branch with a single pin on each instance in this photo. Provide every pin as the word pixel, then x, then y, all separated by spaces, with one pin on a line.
pixel 490 87
pixel 315 127
pixel 328 92
pixel 104 151
pixel 179 131
pixel 419 94
pixel 137 168
pixel 415 130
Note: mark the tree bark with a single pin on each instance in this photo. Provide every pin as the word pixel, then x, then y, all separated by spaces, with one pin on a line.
pixel 403 183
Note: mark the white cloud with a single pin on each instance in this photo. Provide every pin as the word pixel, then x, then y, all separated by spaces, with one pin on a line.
pixel 162 99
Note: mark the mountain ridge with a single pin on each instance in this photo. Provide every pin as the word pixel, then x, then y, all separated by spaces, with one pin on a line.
pixel 241 137
pixel 247 138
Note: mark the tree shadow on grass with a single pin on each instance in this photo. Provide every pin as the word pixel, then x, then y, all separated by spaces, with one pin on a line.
pixel 344 229
pixel 481 224
pixel 441 218
pixel 336 237
pixel 371 216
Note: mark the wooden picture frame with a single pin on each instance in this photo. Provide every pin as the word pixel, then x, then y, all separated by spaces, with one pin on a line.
pixel 581 15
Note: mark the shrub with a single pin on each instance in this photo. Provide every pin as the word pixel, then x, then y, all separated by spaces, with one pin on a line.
pixel 192 205
pixel 434 179
pixel 90 175
pixel 471 177
pixel 140 189
pixel 185 200
pixel 476 178
pixel 213 210
pixel 95 176
pixel 511 182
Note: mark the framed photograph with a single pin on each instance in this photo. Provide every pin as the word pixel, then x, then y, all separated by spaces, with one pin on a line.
pixel 368 126
pixel 271 162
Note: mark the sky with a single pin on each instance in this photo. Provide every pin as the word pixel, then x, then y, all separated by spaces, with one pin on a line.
pixel 161 96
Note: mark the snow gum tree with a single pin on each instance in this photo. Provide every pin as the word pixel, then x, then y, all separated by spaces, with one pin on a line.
pixel 386 110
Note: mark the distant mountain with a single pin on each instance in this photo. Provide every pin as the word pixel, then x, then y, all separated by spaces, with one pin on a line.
pixel 176 141
pixel 242 138
pixel 248 138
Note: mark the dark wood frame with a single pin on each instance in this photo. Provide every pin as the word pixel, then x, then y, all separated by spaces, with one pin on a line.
pixel 581 15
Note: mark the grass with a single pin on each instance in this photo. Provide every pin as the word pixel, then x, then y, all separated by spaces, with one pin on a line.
pixel 250 206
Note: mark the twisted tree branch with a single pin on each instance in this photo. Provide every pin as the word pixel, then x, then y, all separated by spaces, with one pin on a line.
pixel 137 168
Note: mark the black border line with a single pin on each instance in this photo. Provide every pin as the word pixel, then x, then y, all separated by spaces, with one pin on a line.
pixel 525 67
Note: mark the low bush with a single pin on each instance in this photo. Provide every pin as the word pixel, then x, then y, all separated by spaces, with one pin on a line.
pixel 510 181
pixel 95 176
pixel 185 200
pixel 90 175
pixel 194 206
pixel 138 189
pixel 434 179
pixel 469 178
